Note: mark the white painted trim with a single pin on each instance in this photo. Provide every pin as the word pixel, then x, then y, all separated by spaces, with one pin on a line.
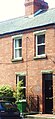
pixel 39 32
pixel 16 48
pixel 42 32
pixel 40 56
pixel 36 46
pixel 46 71
pixel 20 73
pixel 17 36
pixel 17 59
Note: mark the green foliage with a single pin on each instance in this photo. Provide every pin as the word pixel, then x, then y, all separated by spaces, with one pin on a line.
pixel 19 91
pixel 6 91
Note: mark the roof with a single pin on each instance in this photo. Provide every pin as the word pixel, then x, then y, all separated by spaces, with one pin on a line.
pixel 25 23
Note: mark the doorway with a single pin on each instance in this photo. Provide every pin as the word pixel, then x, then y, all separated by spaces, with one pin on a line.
pixel 47 91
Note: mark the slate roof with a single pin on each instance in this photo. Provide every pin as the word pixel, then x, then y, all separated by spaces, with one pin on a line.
pixel 25 23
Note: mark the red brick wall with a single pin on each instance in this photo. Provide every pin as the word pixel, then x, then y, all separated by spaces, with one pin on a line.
pixel 32 67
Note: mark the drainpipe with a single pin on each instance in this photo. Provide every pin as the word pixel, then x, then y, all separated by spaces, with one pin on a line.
pixel 27 66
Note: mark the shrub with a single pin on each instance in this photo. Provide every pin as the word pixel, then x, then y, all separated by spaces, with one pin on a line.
pixel 18 94
pixel 6 92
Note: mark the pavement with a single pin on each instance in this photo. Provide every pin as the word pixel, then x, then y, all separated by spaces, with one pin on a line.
pixel 42 116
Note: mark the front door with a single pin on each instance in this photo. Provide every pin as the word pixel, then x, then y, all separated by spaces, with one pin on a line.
pixel 47 93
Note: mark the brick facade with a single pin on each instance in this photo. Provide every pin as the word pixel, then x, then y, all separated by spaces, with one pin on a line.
pixel 31 67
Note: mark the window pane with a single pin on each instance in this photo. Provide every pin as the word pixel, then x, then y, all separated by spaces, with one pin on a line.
pixel 17 79
pixel 22 78
pixel 24 92
pixel 18 43
pixel 20 52
pixel 16 53
pixel 41 39
pixel 17 48
pixel 41 49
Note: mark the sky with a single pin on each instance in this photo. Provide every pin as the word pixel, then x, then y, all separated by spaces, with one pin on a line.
pixel 15 8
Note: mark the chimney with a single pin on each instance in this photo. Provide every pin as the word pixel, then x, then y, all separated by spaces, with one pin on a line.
pixel 32 6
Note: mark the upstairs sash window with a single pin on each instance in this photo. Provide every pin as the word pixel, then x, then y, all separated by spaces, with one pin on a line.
pixel 17 47
pixel 40 44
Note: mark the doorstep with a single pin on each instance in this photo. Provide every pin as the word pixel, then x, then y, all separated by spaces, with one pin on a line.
pixel 41 115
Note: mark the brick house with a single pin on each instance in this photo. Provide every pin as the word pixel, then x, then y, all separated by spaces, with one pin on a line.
pixel 27 49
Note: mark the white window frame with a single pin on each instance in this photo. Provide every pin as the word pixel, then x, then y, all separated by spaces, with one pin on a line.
pixel 37 45
pixel 17 37
pixel 36 33
pixel 24 87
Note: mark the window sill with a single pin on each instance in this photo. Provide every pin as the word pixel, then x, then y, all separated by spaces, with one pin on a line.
pixel 40 57
pixel 15 60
